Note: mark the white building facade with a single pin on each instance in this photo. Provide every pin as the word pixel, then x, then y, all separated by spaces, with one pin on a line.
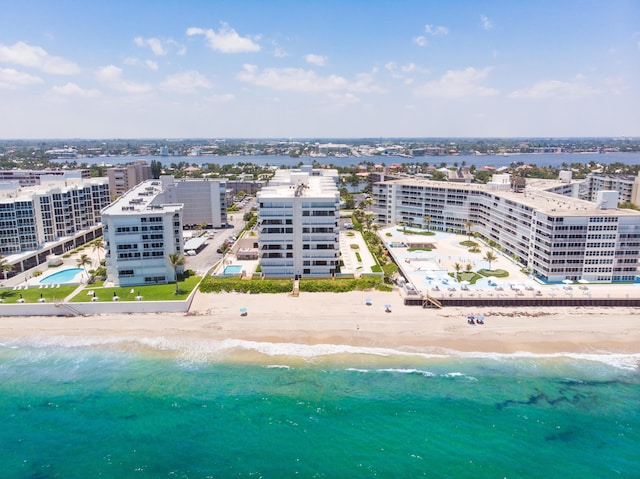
pixel 557 237
pixel 141 230
pixel 53 217
pixel 298 225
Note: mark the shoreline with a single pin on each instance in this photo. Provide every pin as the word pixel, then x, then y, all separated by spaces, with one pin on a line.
pixel 344 319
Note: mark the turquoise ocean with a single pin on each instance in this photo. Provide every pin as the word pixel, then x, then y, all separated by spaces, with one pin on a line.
pixel 88 408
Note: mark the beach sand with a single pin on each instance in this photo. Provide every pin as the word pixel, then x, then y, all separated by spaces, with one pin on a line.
pixel 346 319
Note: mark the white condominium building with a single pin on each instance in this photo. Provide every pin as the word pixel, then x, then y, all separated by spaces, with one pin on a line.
pixel 52 217
pixel 628 187
pixel 298 225
pixel 557 237
pixel 144 226
pixel 141 230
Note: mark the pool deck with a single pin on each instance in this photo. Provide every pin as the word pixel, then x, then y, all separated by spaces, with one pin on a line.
pixel 428 273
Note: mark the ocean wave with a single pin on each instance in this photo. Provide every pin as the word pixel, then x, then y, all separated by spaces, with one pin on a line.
pixel 207 350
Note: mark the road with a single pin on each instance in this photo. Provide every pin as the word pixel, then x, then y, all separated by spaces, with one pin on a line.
pixel 208 256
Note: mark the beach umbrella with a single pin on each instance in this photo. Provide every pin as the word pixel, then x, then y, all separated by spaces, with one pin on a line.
pixel 567 281
pixel 368 301
pixel 387 308
pixel 465 282
pixel 583 281
pixel 243 311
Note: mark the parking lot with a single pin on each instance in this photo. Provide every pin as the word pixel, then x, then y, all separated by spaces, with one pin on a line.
pixel 208 255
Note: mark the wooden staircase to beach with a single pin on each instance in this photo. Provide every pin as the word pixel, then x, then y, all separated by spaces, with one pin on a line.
pixel 428 301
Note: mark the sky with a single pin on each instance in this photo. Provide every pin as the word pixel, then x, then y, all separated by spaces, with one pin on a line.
pixel 314 69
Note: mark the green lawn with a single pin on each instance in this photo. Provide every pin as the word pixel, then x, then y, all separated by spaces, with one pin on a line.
pixel 33 294
pixel 156 292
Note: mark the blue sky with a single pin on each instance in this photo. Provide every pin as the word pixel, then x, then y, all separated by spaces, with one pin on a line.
pixel 278 69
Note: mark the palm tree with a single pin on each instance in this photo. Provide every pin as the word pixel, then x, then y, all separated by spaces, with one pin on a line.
pixel 427 221
pixel 96 246
pixel 490 257
pixel 457 266
pixel 469 225
pixel 175 261
pixel 368 218
pixel 468 267
pixel 83 261
pixel 5 266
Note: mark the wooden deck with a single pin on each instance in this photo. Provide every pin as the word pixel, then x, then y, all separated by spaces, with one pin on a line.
pixel 430 302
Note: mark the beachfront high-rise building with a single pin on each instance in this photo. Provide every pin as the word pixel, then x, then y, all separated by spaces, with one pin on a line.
pixel 141 230
pixel 298 224
pixel 557 237
pixel 144 226
pixel 52 217
pixel 123 178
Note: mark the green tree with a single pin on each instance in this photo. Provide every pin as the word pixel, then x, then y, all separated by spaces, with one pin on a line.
pixel 5 266
pixel 97 245
pixel 468 224
pixel 156 169
pixel 175 261
pixel 457 266
pixel 490 257
pixel 83 261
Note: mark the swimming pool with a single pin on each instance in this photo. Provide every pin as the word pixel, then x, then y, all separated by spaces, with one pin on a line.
pixel 233 269
pixel 64 276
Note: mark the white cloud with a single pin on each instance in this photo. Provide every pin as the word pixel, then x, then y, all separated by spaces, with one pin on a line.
pixel 160 47
pixel 421 41
pixel 342 100
pixel 185 82
pixel 318 60
pixel 222 98
pixel 399 72
pixel 436 30
pixel 562 90
pixel 12 79
pixel 111 76
pixel 155 44
pixel 485 22
pixel 32 56
pixel 72 89
pixel 458 84
pixel 226 40
pixel 150 64
pixel 299 80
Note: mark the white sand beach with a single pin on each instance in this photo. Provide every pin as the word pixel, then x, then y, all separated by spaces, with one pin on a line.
pixel 346 319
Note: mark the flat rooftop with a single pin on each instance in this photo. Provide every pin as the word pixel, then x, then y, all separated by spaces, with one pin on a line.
pixel 311 187
pixel 141 197
pixel 535 196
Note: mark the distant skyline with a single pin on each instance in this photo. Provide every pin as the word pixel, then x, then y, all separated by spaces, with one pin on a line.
pixel 341 69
